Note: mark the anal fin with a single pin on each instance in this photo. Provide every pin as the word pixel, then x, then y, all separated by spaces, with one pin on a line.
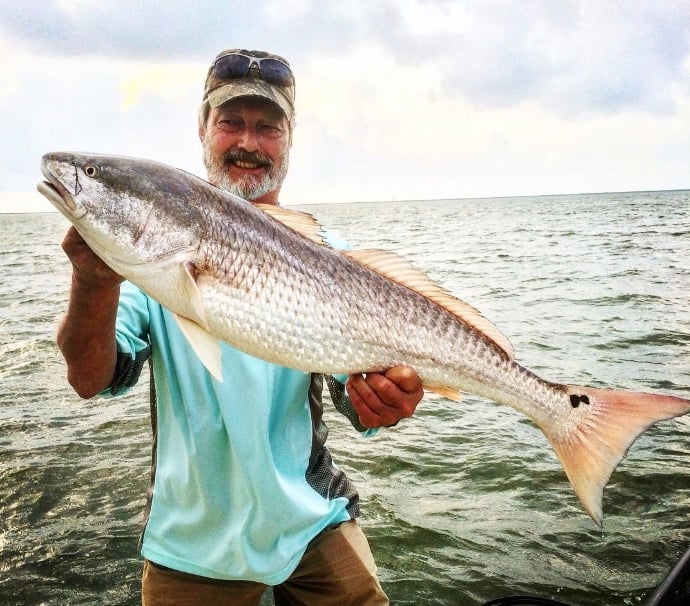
pixel 445 392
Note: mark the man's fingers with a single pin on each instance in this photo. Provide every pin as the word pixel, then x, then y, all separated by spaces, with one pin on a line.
pixel 384 399
pixel 405 378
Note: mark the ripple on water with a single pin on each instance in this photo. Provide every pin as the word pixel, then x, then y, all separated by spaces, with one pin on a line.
pixel 462 503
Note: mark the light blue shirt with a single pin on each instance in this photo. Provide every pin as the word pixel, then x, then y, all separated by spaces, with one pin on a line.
pixel 230 497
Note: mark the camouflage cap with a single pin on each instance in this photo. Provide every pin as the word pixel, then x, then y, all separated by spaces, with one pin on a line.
pixel 238 73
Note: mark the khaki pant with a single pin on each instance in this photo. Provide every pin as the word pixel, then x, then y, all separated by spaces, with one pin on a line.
pixel 337 569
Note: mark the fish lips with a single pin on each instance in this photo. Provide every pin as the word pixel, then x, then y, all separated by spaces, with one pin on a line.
pixel 57 194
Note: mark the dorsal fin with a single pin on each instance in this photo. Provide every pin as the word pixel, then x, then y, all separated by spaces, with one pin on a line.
pixel 301 222
pixel 400 270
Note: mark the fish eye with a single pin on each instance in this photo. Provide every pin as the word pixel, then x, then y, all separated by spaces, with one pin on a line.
pixel 91 170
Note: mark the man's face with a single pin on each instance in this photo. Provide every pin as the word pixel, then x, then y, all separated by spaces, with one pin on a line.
pixel 247 148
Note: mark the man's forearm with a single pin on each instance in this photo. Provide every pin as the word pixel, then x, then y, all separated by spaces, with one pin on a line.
pixel 86 336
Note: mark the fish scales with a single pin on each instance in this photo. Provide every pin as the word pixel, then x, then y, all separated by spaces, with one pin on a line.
pixel 334 306
pixel 261 280
pixel 339 307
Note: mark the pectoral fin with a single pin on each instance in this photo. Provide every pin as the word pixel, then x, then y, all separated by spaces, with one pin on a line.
pixel 204 344
pixel 193 294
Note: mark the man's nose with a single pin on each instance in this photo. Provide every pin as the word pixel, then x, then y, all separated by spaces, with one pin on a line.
pixel 249 140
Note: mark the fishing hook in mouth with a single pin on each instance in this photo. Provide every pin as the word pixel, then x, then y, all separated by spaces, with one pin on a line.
pixel 77 185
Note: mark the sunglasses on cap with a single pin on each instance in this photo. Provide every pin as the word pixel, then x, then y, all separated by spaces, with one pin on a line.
pixel 236 65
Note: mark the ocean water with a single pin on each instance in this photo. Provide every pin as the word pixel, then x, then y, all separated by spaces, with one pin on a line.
pixel 463 502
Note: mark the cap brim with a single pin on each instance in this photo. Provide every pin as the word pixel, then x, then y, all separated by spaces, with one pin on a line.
pixel 250 88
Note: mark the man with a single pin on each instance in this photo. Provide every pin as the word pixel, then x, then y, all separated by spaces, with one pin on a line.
pixel 244 493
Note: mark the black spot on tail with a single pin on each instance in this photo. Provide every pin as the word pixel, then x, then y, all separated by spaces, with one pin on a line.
pixel 576 400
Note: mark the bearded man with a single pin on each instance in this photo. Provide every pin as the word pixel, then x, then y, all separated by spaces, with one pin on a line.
pixel 244 493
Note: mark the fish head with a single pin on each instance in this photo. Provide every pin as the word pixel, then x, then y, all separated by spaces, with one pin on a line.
pixel 131 212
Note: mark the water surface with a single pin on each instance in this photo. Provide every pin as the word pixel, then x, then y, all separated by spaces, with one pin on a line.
pixel 462 503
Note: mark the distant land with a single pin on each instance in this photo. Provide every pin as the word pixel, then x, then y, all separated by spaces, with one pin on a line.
pixel 33 202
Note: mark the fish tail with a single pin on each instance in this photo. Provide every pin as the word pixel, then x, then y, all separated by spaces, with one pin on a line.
pixel 608 423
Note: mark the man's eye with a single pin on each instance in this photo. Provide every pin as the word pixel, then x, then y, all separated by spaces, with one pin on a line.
pixel 229 125
pixel 270 130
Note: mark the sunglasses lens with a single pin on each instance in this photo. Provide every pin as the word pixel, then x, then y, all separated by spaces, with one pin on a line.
pixel 236 66
pixel 275 72
pixel 231 67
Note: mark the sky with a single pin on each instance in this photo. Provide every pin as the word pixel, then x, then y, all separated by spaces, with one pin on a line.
pixel 396 99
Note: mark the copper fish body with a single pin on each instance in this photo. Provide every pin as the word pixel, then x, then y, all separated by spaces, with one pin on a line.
pixel 262 279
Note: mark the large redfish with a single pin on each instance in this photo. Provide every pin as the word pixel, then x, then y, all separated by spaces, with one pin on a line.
pixel 262 280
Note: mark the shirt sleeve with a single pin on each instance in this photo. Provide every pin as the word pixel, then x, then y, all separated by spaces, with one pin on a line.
pixel 343 405
pixel 131 336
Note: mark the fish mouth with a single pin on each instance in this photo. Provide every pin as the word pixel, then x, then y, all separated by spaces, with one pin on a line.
pixel 57 194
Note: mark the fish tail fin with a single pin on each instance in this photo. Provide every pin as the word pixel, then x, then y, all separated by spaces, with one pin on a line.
pixel 608 424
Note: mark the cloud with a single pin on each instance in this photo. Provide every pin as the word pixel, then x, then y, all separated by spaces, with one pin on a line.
pixel 162 30
pixel 395 98
pixel 168 82
pixel 87 103
pixel 153 29
pixel 573 56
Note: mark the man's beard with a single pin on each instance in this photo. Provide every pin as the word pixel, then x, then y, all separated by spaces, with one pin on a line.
pixel 249 187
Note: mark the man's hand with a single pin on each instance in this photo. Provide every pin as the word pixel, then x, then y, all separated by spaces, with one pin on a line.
pixel 89 270
pixel 383 399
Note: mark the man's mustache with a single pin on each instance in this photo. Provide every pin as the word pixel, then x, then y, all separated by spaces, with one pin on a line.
pixel 238 155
